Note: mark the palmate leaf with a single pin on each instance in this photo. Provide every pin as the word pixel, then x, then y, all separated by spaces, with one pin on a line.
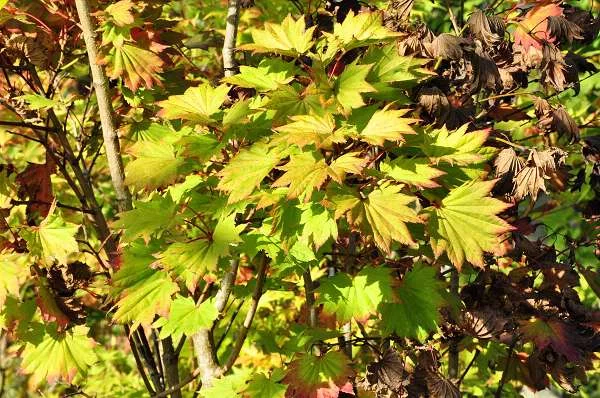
pixel 387 125
pixel 191 260
pixel 389 67
pixel 268 76
pixel 350 84
pixel 533 29
pixel 59 355
pixel 247 169
pixel 553 333
pixel 318 224
pixel 455 147
pixel 186 318
pixel 360 30
pixel 134 64
pixel 465 225
pixel 308 129
pixel 12 272
pixel 417 172
pixel 288 38
pixel 147 219
pixel 311 376
pixel 262 386
pixel 304 173
pixel 198 104
pixel 416 310
pixel 382 214
pixel 142 291
pixel 53 239
pixel 355 297
pixel 156 165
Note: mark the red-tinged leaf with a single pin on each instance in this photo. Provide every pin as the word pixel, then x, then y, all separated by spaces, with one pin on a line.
pixel 35 184
pixel 533 29
pixel 326 376
pixel 553 333
pixel 48 307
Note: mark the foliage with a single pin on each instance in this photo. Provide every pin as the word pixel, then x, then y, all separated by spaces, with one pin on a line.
pixel 393 199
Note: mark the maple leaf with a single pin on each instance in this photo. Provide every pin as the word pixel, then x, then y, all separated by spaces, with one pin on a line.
pixel 310 376
pixel 191 260
pixel 382 214
pixel 142 291
pixel 387 125
pixel 53 239
pixel 120 12
pixel 554 333
pixel 186 318
pixel 134 64
pixel 308 129
pixel 418 300
pixel 318 224
pixel 48 307
pixel 533 30
pixel 35 182
pixel 37 101
pixel 262 386
pixel 348 163
pixel 147 219
pixel 288 38
pixel 358 30
pixel 247 169
pixel 417 172
pixel 456 147
pixel 355 297
pixel 156 164
pixel 350 84
pixel 268 76
pixel 304 172
pixel 59 355
pixel 197 104
pixel 466 223
pixel 12 273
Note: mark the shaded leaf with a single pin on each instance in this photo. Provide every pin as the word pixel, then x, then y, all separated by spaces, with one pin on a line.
pixel 417 172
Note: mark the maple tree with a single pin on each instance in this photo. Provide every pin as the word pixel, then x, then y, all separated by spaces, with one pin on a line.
pixel 296 198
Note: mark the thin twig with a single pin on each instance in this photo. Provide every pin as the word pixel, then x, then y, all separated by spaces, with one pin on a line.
pixel 504 378
pixel 256 295
pixel 27 125
pixel 464 373
pixel 179 386
pixel 138 361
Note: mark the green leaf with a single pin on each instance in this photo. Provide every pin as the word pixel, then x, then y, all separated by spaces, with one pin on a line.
pixel 191 260
pixel 457 147
pixel 13 270
pixel 137 66
pixel 416 312
pixel 355 297
pixel 186 318
pixel 360 30
pixel 59 355
pixel 54 239
pixel 143 291
pixel 228 386
pixel 156 165
pixel 304 173
pixel 288 38
pixel 198 104
pixel 120 12
pixel 245 172
pixel 293 100
pixel 318 224
pixel 36 101
pixel 349 86
pixel 268 76
pixel 147 219
pixel 262 386
pixel 309 129
pixel 415 172
pixel 389 67
pixel 387 125
pixel 348 163
pixel 466 223
pixel 382 214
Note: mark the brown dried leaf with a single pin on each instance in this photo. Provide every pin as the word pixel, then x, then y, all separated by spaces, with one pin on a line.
pixel 35 185
pixel 435 102
pixel 564 124
pixel 448 46
pixel 563 29
pixel 485 72
pixel 508 163
pixel 480 26
pixel 553 67
pixel 397 13
pixel 387 374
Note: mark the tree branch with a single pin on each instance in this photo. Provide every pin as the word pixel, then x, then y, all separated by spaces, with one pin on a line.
pixel 111 139
pixel 27 125
pixel 310 299
pixel 229 64
pixel 138 361
pixel 258 290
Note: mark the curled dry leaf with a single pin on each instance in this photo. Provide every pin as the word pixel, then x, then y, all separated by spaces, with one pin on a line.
pixel 590 26
pixel 564 124
pixel 485 72
pixel 530 179
pixel 388 375
pixel 488 30
pixel 435 102
pixel 397 13
pixel 564 30
pixel 448 46
pixel 553 67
